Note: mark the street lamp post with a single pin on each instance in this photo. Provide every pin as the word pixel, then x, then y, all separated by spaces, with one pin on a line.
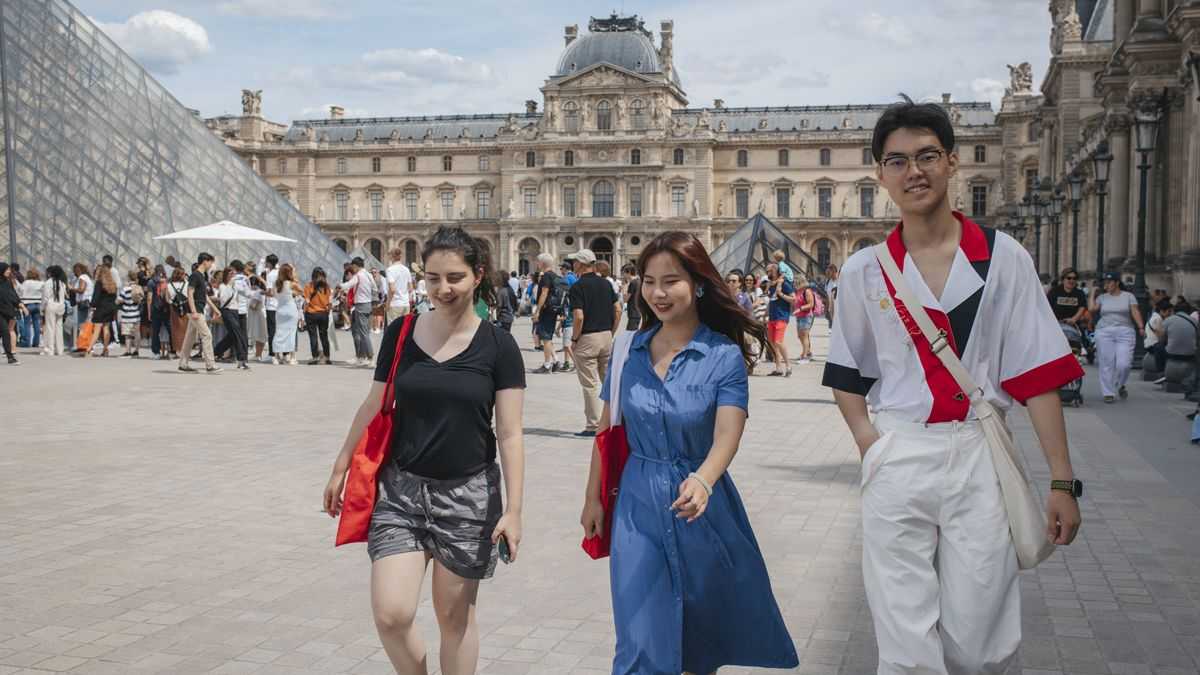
pixel 1026 211
pixel 1075 181
pixel 1101 162
pixel 1146 121
pixel 1056 207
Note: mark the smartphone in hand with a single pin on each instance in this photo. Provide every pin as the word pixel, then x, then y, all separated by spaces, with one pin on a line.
pixel 505 553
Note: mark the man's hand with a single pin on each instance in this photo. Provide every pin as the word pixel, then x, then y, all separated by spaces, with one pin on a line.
pixel 1062 518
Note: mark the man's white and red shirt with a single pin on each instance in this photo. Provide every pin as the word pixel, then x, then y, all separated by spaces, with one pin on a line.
pixel 993 310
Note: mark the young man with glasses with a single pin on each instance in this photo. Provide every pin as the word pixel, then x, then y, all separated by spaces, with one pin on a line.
pixel 939 565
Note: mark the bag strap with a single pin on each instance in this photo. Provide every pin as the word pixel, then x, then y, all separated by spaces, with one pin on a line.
pixel 389 399
pixel 616 364
pixel 939 341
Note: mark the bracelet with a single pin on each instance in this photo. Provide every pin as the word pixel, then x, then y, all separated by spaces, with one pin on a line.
pixel 703 483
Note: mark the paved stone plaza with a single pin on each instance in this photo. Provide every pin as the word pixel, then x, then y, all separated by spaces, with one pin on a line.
pixel 157 522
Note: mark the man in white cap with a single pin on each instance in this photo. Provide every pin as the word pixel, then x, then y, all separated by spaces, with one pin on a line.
pixel 597 310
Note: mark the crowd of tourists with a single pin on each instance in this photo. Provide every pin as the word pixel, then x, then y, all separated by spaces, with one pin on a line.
pixel 243 312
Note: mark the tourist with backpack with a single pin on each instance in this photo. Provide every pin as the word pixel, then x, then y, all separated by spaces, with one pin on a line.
pixel 160 313
pixel 551 298
pixel 176 295
pixel 806 305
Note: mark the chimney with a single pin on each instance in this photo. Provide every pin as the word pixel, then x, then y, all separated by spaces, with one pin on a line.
pixel 945 98
pixel 531 107
pixel 336 112
pixel 666 51
pixel 570 33
pixel 719 103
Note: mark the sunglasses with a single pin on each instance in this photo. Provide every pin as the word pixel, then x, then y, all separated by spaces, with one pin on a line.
pixel 1070 278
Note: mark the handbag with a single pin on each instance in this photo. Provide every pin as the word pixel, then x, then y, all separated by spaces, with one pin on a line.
pixel 358 500
pixel 84 340
pixel 613 446
pixel 1026 517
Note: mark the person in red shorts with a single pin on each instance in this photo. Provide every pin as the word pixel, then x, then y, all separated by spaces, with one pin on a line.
pixel 779 312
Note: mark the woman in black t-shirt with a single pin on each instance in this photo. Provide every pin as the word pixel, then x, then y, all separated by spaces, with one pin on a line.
pixel 439 488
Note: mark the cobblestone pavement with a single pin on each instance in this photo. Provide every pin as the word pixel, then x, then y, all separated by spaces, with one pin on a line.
pixel 157 522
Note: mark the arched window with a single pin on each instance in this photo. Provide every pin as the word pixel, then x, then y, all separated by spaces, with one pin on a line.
pixel 784 157
pixel 635 156
pixel 569 158
pixel 824 251
pixel 743 158
pixel 677 157
pixel 637 114
pixel 603 248
pixel 826 157
pixel 602 199
pixel 571 116
pixel 447 163
pixel 530 159
pixel 375 248
pixel 603 116
pixel 410 251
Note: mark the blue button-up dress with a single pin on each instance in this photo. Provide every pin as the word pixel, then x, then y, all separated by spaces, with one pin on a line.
pixel 686 596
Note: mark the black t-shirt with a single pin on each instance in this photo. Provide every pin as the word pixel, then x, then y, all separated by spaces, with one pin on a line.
pixel 631 306
pixel 1067 303
pixel 546 283
pixel 199 288
pixel 443 419
pixel 595 296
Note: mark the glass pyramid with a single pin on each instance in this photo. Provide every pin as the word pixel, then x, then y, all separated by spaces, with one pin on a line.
pixel 99 158
pixel 749 249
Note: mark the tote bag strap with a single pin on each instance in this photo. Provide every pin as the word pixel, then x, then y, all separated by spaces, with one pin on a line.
pixel 616 364
pixel 389 399
pixel 939 341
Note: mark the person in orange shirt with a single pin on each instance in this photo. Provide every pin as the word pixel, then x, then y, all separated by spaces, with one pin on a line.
pixel 317 301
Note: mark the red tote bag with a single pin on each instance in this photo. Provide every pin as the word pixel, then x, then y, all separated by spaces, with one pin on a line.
pixel 358 500
pixel 613 446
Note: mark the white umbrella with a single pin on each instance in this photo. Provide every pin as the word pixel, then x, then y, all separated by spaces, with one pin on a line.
pixel 226 231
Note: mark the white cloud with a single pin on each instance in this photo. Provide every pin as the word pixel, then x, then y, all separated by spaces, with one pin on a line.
pixel 278 9
pixel 390 70
pixel 428 64
pixel 161 41
pixel 810 80
pixel 987 89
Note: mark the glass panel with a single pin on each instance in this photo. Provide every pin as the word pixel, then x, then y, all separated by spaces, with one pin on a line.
pixel 569 202
pixel 866 202
pixel 679 201
pixel 742 202
pixel 979 197
pixel 410 205
pixel 482 201
pixel 602 199
pixel 530 202
pixel 447 205
pixel 783 198
pixel 104 159
pixel 635 200
pixel 376 206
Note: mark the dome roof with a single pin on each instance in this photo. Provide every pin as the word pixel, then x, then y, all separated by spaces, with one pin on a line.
pixel 631 50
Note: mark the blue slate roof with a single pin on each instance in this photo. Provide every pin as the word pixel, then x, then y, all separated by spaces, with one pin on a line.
pixel 813 118
pixel 380 128
pixel 631 50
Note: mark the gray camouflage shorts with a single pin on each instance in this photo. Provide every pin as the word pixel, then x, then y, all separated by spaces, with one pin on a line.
pixel 451 519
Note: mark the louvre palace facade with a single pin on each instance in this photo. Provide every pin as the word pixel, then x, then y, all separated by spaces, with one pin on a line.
pixel 613 155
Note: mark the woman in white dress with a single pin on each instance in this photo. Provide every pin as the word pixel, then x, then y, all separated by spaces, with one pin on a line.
pixel 287 316
pixel 256 315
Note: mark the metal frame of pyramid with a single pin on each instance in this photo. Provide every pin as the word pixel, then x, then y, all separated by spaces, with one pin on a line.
pixel 749 249
pixel 99 158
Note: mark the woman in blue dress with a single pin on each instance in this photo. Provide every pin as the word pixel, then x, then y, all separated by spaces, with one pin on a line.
pixel 690 589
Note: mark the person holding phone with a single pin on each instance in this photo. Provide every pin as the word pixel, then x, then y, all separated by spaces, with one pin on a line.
pixel 439 488
pixel 690 589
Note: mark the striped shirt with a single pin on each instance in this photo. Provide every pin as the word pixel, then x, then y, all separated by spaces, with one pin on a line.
pixel 130 311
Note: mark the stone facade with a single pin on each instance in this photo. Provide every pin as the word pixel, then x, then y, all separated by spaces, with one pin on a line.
pixel 1129 54
pixel 614 157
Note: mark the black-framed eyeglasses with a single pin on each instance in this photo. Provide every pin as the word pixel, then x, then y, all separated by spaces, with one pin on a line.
pixel 897 165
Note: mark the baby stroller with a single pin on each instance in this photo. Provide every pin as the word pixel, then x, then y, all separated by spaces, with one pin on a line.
pixel 1072 392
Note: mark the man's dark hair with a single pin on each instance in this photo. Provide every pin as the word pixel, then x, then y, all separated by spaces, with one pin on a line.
pixel 513 274
pixel 238 266
pixel 910 115
pixel 358 262
pixel 203 257
pixel 1164 305
pixel 628 268
pixel 107 259
pixel 272 259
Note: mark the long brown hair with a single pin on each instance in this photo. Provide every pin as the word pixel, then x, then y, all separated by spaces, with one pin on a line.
pixel 286 275
pixel 104 276
pixel 717 307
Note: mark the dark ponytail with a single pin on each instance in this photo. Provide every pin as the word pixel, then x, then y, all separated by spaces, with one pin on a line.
pixel 473 251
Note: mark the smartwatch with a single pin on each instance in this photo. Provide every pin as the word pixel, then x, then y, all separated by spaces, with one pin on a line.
pixel 1071 487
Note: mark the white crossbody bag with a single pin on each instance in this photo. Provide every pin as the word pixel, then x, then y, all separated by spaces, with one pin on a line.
pixel 1026 517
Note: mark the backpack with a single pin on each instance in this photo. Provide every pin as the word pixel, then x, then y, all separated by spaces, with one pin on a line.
pixel 818 303
pixel 179 300
pixel 558 294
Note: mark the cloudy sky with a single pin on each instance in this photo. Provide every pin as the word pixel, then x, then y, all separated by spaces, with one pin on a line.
pixel 418 57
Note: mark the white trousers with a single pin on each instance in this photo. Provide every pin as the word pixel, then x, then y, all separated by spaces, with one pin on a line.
pixel 52 334
pixel 1114 350
pixel 938 561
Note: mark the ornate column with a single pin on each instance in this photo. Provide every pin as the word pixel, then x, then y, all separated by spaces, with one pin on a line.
pixel 619 209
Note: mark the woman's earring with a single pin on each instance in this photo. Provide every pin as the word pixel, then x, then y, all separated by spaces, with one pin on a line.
pixel 699 291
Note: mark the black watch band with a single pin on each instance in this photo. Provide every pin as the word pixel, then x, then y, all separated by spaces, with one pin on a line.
pixel 1071 487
